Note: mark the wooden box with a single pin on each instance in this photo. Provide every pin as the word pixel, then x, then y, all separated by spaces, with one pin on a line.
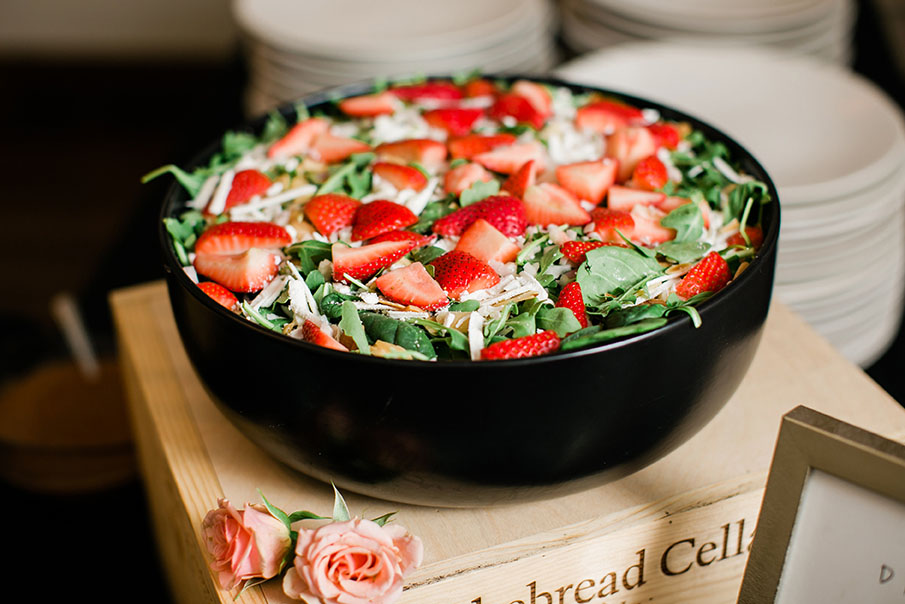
pixel 677 531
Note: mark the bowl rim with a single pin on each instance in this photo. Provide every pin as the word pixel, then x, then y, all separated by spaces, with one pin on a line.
pixel 176 195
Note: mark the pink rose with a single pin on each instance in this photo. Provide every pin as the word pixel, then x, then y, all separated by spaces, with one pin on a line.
pixel 245 544
pixel 353 562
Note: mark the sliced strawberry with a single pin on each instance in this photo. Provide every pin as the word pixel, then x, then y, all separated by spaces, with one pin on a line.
pixel 533 345
pixel 437 91
pixel 626 198
pixel 246 184
pixel 536 94
pixel 588 180
pixel 330 149
pixel 483 241
pixel 576 251
pixel 363 262
pixel 429 153
pixel 710 274
pixel 219 294
pixel 236 237
pixel 665 135
pixel 507 160
pixel 401 177
pixel 331 212
pixel 479 87
pixel 517 107
pixel 458 272
pixel 417 240
pixel 629 146
pixel 312 332
pixel 521 179
pixel 548 203
pixel 570 297
pixel 607 116
pixel 755 235
pixel 379 217
pixel 650 174
pixel 648 229
pixel 299 138
pixel 470 145
pixel 246 272
pixel 413 285
pixel 369 105
pixel 608 221
pixel 463 176
pixel 457 121
pixel 506 214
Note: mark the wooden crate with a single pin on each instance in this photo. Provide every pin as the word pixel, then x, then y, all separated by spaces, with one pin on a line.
pixel 677 531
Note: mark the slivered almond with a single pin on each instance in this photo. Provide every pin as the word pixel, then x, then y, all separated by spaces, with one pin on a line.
pixel 740 270
pixel 519 298
pixel 679 269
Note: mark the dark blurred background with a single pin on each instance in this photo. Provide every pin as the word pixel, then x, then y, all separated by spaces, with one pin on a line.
pixel 84 115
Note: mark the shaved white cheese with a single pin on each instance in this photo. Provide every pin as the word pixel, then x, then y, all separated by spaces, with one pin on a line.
pixel 270 293
pixel 418 201
pixel 650 116
pixel 475 335
pixel 301 302
pixel 218 203
pixel 672 172
pixel 191 272
pixel 204 195
pixel 369 297
pixel 726 170
pixel 276 200
pixel 407 314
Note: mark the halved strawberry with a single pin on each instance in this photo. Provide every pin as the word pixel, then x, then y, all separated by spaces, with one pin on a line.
pixel 548 203
pixel 626 198
pixel 379 217
pixel 246 272
pixel 413 285
pixel 607 116
pixel 506 214
pixel 369 105
pixel 485 242
pixel 219 294
pixel 470 145
pixel 507 160
pixel 457 121
pixel 665 135
pixel 246 184
pixel 299 138
pixel 479 87
pixel 517 107
pixel 236 237
pixel 521 179
pixel 416 239
pixel 570 297
pixel 710 274
pixel 429 153
pixel 363 262
pixel 629 146
pixel 650 174
pixel 463 176
pixel 436 90
pixel 755 235
pixel 330 149
pixel 458 272
pixel 401 177
pixel 312 332
pixel 588 180
pixel 532 345
pixel 536 94
pixel 331 212
pixel 576 251
pixel 608 221
pixel 648 229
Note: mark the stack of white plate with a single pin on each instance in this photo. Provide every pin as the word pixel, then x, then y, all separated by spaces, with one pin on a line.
pixel 295 47
pixel 822 28
pixel 834 145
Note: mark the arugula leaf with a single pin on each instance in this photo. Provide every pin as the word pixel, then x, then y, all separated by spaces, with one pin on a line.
pixel 192 183
pixel 492 328
pixel 688 251
pixel 531 248
pixel 310 253
pixel 467 306
pixel 455 339
pixel 740 195
pixel 633 314
pixel 430 213
pixel 275 127
pixel 589 336
pixel 611 269
pixel 425 255
pixel 561 320
pixel 314 280
pixel 478 191
pixel 687 220
pixel 351 325
pixel 394 331
pixel 331 304
pixel 462 77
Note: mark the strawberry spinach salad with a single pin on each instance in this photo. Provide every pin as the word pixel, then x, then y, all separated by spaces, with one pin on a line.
pixel 466 218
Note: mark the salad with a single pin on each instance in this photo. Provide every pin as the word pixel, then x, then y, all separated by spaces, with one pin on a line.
pixel 466 218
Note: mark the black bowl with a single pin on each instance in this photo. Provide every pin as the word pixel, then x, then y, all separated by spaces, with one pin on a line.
pixel 461 433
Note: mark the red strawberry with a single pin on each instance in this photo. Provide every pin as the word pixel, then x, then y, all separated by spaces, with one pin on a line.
pixel 483 241
pixel 457 121
pixel 470 145
pixel 650 174
pixel 416 239
pixel 331 212
pixel 237 237
pixel 517 107
pixel 607 116
pixel 369 105
pixel 506 214
pixel 626 198
pixel 711 274
pixel 536 94
pixel 648 229
pixel 429 153
pixel 755 235
pixel 379 217
pixel 438 91
pixel 246 184
pixel 248 271
pixel 570 297
pixel 220 294
pixel 665 135
pixel 521 179
pixel 629 146
pixel 507 160
pixel 363 262
pixel 413 285
pixel 533 345
pixel 576 251
pixel 401 177
pixel 312 332
pixel 299 139
pixel 548 203
pixel 458 272
pixel 463 176
pixel 479 87
pixel 607 221
pixel 330 149
pixel 588 180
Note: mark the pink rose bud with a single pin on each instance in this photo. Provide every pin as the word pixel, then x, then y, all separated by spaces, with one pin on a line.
pixel 353 562
pixel 246 544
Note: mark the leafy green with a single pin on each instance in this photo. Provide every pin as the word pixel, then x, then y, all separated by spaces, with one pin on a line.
pixel 351 325
pixel 633 314
pixel 589 336
pixel 492 328
pixel 478 191
pixel 610 270
pixel 184 231
pixel 454 339
pixel 688 222
pixel 425 255
pixel 467 306
pixel 352 178
pixel 314 280
pixel 532 246
pixel 331 304
pixel 401 333
pixel 310 253
pixel 431 212
pixel 688 251
pixel 192 183
pixel 560 320
pixel 739 198
pixel 275 127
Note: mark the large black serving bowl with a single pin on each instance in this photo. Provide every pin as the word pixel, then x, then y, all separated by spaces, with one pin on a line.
pixel 462 433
